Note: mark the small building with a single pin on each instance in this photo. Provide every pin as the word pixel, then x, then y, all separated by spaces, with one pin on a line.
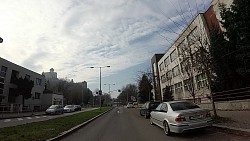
pixel 9 73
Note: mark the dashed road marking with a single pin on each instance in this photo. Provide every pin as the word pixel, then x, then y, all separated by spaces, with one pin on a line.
pixel 19 118
pixel 44 116
pixel 7 120
pixel 37 117
pixel 29 117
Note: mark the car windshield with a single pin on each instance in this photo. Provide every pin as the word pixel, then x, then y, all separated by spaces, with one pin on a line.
pixel 53 107
pixel 68 106
pixel 183 106
pixel 154 105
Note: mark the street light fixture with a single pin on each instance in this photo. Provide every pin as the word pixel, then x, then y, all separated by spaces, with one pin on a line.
pixel 109 90
pixel 100 91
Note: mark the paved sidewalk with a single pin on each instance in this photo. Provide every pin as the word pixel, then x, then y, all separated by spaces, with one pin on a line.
pixel 16 115
pixel 239 120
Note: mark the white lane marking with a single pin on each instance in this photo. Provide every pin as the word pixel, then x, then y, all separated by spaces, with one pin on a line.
pixel 37 117
pixel 19 119
pixel 7 120
pixel 118 112
pixel 29 117
pixel 44 116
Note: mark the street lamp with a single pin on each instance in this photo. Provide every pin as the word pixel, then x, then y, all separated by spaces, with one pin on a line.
pixel 109 90
pixel 100 91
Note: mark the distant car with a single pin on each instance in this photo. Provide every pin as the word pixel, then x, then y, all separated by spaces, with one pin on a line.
pixel 55 109
pixel 77 107
pixel 147 108
pixel 180 116
pixel 69 108
pixel 130 105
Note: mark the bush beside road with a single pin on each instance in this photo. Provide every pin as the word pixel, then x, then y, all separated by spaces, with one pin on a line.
pixel 47 129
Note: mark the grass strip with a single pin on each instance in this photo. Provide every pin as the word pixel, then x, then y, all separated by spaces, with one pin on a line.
pixel 38 131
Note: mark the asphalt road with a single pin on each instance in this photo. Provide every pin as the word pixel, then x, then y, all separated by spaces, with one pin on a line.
pixel 123 124
pixel 24 120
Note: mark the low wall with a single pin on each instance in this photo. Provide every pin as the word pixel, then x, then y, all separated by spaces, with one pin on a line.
pixel 228 105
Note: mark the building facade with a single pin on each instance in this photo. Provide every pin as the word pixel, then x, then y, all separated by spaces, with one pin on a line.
pixel 156 79
pixel 171 66
pixel 9 73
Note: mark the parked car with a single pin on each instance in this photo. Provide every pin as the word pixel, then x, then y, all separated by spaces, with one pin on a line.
pixel 147 108
pixel 55 109
pixel 77 107
pixel 69 108
pixel 180 116
pixel 130 105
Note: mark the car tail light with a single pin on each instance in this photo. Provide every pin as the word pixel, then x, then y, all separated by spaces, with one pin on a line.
pixel 180 119
pixel 208 114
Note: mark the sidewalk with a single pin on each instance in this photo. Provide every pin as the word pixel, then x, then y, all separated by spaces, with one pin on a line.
pixel 238 120
pixel 16 115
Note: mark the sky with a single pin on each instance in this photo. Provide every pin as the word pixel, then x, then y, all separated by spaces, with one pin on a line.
pixel 73 35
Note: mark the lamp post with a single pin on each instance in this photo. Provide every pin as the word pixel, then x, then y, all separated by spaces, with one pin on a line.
pixel 109 90
pixel 82 93
pixel 100 91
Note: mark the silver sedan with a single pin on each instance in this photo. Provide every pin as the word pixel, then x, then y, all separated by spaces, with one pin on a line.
pixel 180 116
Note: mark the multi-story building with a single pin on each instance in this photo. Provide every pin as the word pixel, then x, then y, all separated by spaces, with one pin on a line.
pixel 51 80
pixel 171 69
pixel 156 79
pixel 9 73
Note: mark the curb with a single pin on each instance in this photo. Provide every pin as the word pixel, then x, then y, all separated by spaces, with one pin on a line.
pixel 232 128
pixel 65 133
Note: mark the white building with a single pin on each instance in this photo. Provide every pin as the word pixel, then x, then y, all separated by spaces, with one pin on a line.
pixel 9 73
pixel 171 68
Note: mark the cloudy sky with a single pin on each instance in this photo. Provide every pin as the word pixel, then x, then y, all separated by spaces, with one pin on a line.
pixel 73 35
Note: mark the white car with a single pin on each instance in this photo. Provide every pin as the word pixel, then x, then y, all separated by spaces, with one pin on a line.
pixel 180 116
pixel 130 105
pixel 69 108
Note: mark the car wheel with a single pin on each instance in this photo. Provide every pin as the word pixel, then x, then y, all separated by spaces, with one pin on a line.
pixel 151 121
pixel 166 128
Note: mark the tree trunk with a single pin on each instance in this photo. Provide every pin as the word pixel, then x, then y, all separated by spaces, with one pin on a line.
pixel 210 91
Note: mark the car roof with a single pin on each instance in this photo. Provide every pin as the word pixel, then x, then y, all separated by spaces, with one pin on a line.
pixel 175 101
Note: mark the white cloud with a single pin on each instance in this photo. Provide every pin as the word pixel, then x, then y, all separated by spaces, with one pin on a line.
pixel 72 35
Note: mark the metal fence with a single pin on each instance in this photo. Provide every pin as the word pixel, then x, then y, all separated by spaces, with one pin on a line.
pixel 236 94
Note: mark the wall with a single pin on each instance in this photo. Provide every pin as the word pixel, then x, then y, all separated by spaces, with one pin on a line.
pixel 228 105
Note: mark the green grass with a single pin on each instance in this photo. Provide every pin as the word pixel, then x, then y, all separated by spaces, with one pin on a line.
pixel 43 130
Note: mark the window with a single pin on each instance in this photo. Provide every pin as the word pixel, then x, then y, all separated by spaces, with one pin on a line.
pixel 163 78
pixel 161 66
pixel 176 71
pixel 178 87
pixel 173 55
pixel 191 38
pixel 37 95
pixel 166 61
pixel 158 108
pixel 201 80
pixel 1 86
pixel 169 75
pixel 181 46
pixel 14 76
pixel 188 83
pixel 183 106
pixel 164 107
pixel 3 71
pixel 38 81
pixel 27 76
pixel 1 91
pixel 1 80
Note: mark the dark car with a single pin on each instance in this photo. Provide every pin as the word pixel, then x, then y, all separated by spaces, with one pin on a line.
pixel 55 109
pixel 77 107
pixel 148 107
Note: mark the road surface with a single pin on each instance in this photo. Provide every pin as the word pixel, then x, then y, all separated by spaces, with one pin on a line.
pixel 123 124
